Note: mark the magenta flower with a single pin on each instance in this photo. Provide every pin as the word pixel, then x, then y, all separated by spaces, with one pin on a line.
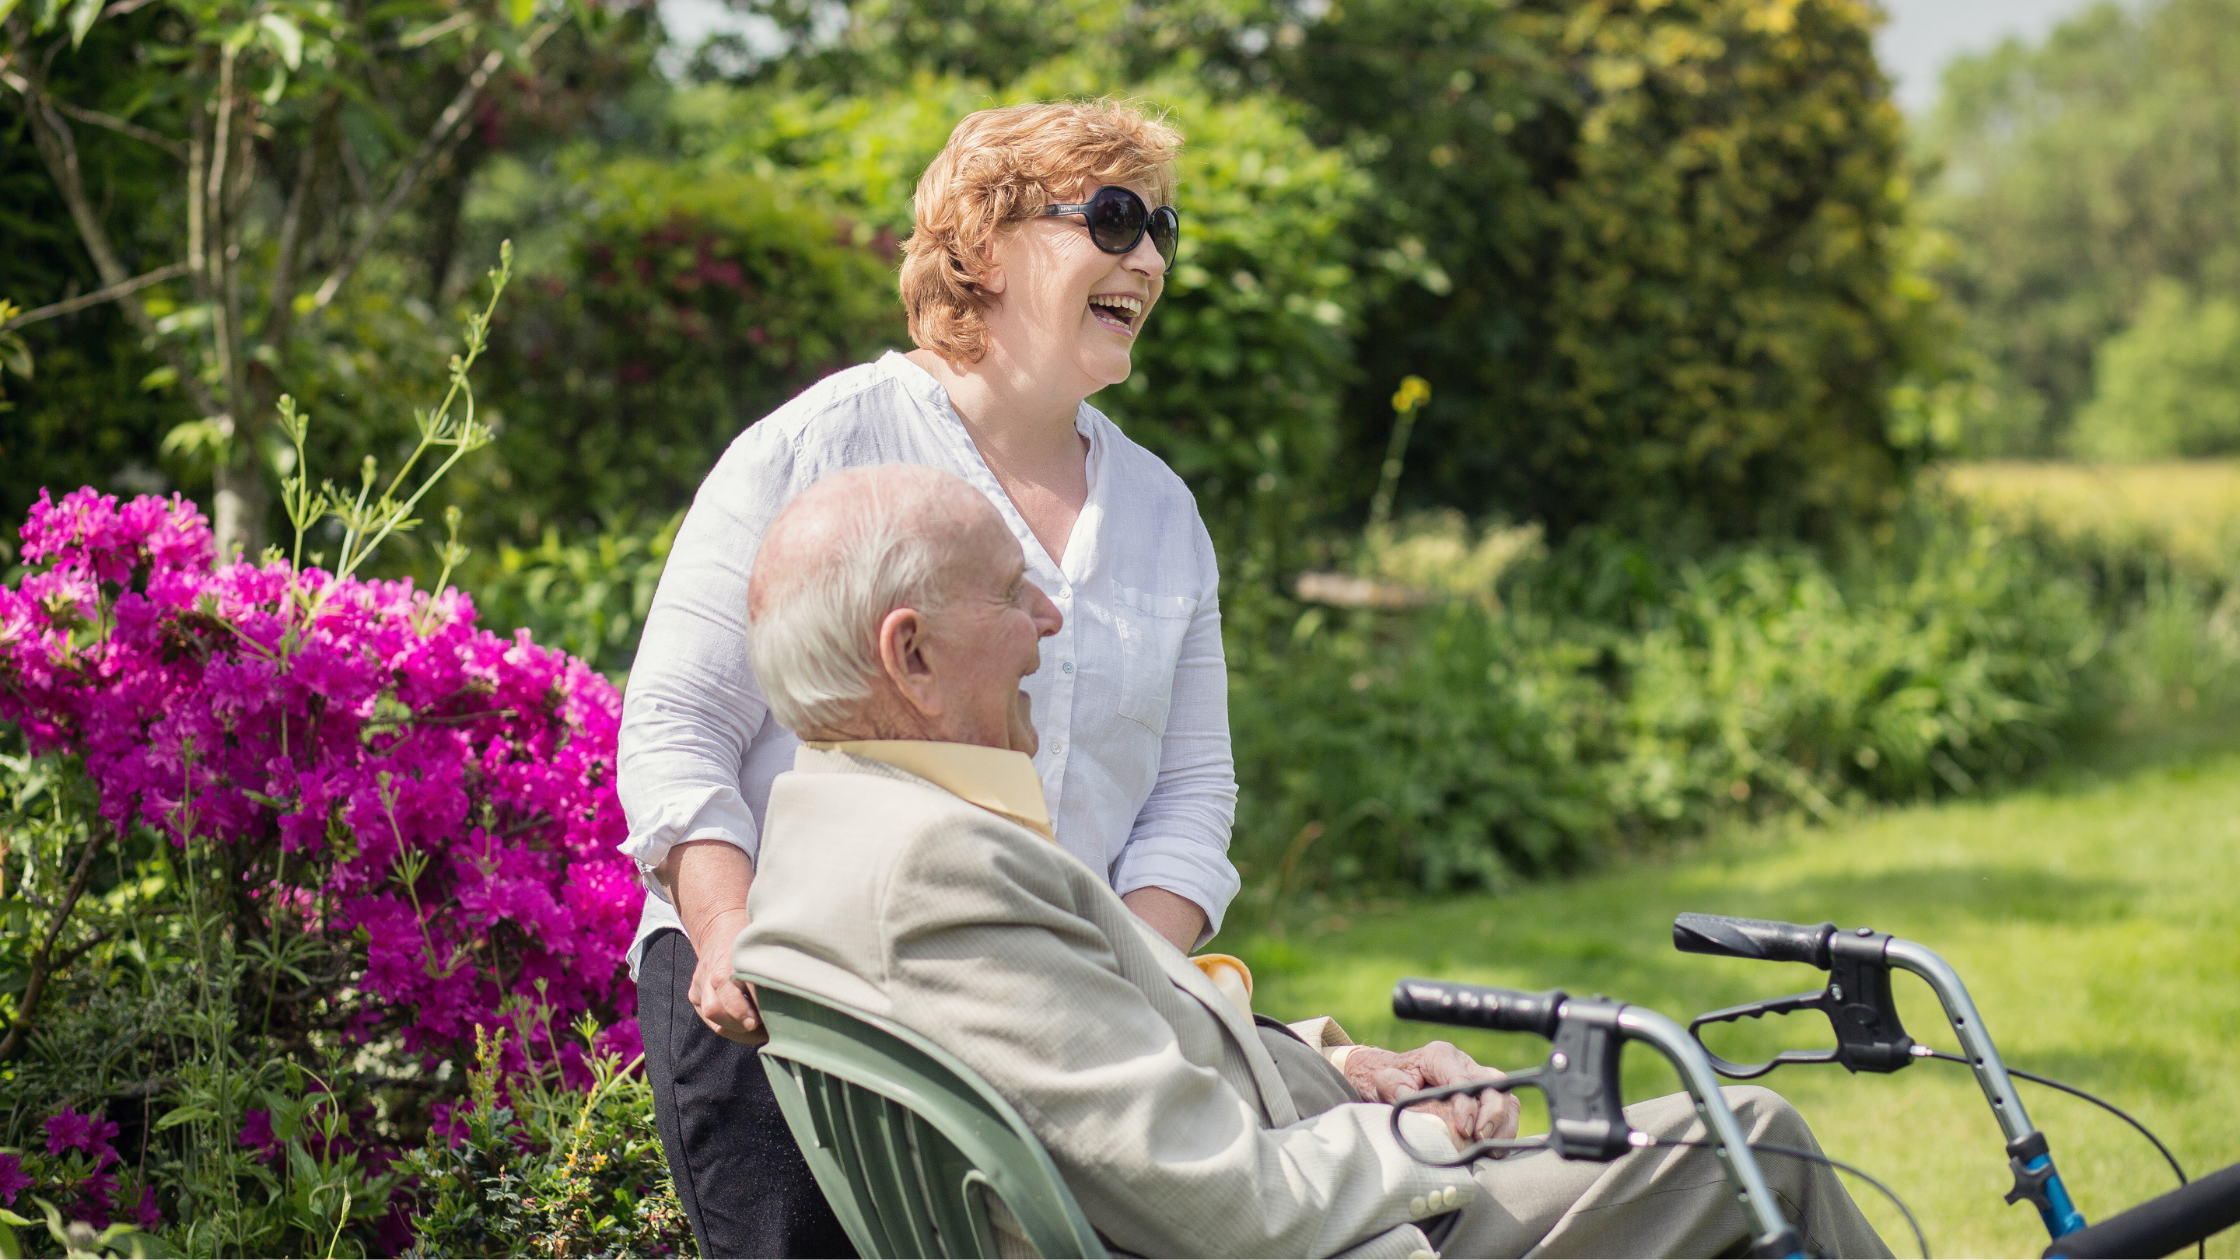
pixel 377 733
pixel 257 1132
pixel 146 1213
pixel 13 1180
pixel 67 1130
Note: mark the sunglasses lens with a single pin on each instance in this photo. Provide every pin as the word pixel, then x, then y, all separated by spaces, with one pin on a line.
pixel 1115 220
pixel 1166 232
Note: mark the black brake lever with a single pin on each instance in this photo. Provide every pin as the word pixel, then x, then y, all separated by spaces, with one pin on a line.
pixel 1857 1002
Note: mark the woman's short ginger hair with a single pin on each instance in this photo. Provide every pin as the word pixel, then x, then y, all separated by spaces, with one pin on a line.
pixel 1000 167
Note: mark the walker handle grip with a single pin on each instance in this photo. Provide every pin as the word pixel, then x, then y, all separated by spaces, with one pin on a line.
pixel 1477 1006
pixel 1762 939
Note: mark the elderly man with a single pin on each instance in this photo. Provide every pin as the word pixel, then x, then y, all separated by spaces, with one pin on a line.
pixel 907 870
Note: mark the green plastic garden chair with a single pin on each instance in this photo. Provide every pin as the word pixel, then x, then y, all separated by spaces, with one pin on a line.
pixel 918 1156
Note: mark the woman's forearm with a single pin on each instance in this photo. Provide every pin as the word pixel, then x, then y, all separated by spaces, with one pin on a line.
pixel 1171 915
pixel 708 881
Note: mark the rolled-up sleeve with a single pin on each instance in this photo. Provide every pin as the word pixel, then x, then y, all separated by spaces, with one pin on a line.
pixel 693 707
pixel 1180 841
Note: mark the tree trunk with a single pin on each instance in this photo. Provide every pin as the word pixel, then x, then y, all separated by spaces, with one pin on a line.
pixel 241 502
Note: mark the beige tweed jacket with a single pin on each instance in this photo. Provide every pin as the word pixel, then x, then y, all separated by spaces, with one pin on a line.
pixel 1181 1128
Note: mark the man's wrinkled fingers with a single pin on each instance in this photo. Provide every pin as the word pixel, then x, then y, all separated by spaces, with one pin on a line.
pixel 1465 1117
pixel 1392 1084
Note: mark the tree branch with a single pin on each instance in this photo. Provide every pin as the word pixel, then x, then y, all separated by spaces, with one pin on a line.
pixel 59 151
pixel 415 170
pixel 120 126
pixel 97 297
pixel 41 959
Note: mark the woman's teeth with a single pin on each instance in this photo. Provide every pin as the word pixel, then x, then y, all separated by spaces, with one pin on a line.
pixel 1117 309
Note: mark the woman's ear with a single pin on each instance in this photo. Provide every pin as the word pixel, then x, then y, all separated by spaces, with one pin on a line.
pixel 991 278
pixel 902 657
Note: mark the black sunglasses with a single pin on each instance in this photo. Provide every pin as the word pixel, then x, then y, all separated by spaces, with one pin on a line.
pixel 1117 221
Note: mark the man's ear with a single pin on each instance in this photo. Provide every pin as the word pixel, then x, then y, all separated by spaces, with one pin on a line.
pixel 903 636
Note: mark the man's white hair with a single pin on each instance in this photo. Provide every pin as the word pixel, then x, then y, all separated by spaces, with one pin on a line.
pixel 812 632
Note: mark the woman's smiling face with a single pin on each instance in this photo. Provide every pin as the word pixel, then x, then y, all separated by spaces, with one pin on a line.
pixel 1063 304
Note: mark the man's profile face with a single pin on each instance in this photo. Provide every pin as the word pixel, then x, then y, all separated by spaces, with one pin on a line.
pixel 987 637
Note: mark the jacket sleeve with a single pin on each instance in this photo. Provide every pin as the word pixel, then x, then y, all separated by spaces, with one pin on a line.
pixel 1165 1157
pixel 692 706
pixel 1180 841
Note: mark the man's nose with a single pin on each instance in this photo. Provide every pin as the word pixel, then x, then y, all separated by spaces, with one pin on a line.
pixel 1047 619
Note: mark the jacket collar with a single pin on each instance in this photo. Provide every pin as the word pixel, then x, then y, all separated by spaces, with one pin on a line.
pixel 996 779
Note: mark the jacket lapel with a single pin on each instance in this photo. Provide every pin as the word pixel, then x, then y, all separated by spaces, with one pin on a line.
pixel 1275 1096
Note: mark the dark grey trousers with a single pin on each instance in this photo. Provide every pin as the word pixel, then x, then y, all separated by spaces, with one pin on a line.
pixel 744 1184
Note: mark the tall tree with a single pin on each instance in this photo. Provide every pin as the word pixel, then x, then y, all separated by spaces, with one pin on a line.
pixel 2075 174
pixel 1649 255
pixel 299 136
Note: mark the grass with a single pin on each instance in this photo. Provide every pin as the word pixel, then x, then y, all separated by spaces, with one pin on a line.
pixel 2093 918
pixel 2188 510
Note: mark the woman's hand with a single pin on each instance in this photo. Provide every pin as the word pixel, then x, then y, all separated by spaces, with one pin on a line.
pixel 724 1005
pixel 708 881
pixel 1381 1076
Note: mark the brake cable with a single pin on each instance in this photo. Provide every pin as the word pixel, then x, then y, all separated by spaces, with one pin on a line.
pixel 1766 1148
pixel 1924 1052
pixel 1857 1002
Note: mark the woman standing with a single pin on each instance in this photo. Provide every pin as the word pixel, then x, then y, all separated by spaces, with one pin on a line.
pixel 1041 245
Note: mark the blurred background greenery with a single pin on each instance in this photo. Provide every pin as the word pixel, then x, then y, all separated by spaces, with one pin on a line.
pixel 1723 502
pixel 1785 457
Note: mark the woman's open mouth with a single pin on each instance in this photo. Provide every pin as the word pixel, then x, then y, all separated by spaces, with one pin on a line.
pixel 1118 311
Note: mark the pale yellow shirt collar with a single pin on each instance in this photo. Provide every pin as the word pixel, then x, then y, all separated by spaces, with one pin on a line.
pixel 998 780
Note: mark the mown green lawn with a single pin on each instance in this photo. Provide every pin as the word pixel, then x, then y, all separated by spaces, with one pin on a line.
pixel 2092 916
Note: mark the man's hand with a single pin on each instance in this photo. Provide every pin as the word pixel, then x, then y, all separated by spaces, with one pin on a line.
pixel 1382 1076
pixel 725 1006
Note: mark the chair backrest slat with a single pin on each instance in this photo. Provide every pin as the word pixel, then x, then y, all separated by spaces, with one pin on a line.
pixel 915 1152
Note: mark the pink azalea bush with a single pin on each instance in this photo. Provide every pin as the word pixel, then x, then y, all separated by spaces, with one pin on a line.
pixel 80 1174
pixel 377 769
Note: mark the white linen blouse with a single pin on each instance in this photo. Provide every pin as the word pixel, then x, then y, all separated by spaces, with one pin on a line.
pixel 1131 700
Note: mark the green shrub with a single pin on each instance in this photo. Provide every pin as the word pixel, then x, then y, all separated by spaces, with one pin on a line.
pixel 587 598
pixel 672 307
pixel 537 1167
pixel 2167 387
pixel 1623 696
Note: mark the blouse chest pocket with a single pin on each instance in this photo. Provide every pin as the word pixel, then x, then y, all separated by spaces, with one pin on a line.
pixel 1151 631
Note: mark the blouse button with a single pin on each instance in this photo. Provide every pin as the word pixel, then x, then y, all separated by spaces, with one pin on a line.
pixel 1068 667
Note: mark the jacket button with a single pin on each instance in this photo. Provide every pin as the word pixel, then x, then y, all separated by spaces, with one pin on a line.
pixel 1417 1206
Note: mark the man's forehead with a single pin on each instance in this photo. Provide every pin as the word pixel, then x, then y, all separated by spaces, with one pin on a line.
pixel 988 549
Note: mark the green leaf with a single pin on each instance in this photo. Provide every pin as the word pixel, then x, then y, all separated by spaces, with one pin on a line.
pixel 184 1115
pixel 15 356
pixel 195 435
pixel 10 1247
pixel 286 39
pixel 522 10
pixel 7 7
pixel 82 15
